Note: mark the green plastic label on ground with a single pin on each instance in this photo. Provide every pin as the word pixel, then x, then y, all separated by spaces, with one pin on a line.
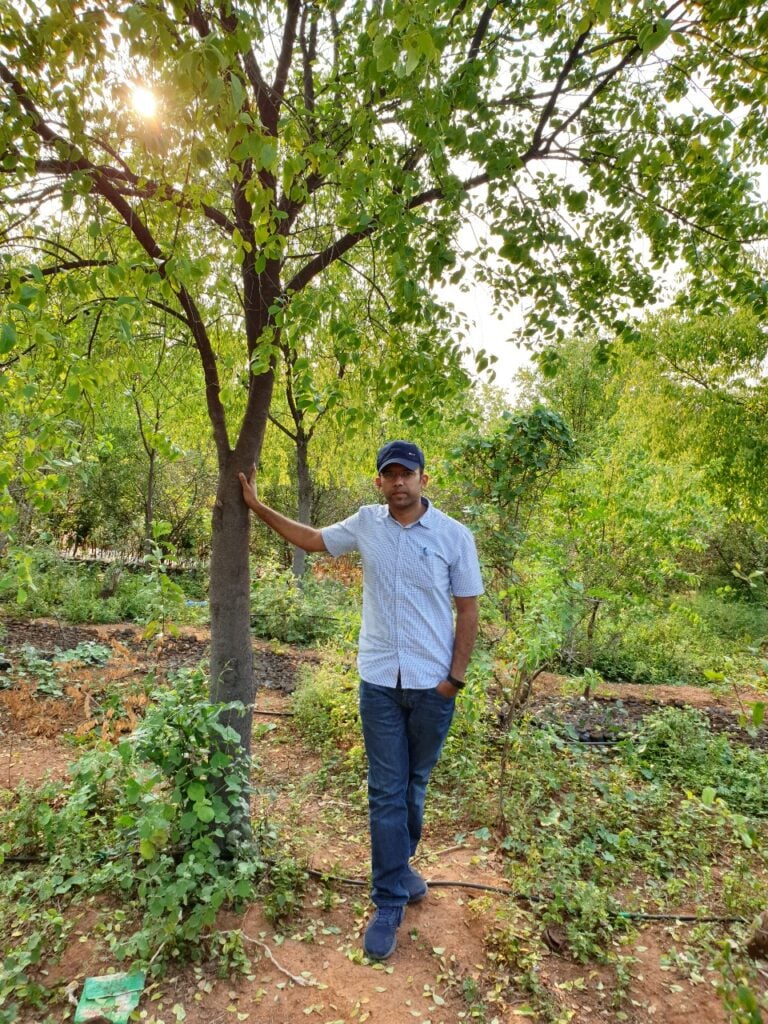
pixel 111 997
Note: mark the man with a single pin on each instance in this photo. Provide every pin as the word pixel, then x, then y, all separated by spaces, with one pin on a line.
pixel 412 658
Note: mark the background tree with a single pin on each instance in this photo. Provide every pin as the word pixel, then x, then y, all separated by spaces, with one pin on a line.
pixel 633 522
pixel 507 472
pixel 701 390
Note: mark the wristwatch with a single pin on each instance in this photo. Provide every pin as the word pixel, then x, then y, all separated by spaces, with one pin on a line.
pixel 458 683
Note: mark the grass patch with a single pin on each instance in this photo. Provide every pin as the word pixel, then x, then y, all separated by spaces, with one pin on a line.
pixel 687 642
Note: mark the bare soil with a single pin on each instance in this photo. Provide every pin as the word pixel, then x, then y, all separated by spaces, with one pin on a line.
pixel 311 968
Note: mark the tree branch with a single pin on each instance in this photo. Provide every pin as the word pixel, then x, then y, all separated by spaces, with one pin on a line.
pixel 308 55
pixel 342 245
pixel 61 268
pixel 480 33
pixel 282 427
pixel 284 60
pixel 604 79
pixel 549 106
pixel 106 189
pixel 258 84
pixel 704 384
pixel 149 190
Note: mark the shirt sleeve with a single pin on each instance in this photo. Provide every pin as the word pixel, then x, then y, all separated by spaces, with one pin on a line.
pixel 342 537
pixel 466 580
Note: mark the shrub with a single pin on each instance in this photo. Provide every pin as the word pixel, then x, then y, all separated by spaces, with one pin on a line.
pixel 677 644
pixel 736 620
pixel 149 821
pixel 282 608
pixel 41 582
pixel 326 716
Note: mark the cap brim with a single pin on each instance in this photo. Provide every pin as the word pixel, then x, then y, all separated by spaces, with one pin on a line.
pixel 408 463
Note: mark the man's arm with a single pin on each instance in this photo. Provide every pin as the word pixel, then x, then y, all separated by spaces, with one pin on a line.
pixel 302 536
pixel 467 616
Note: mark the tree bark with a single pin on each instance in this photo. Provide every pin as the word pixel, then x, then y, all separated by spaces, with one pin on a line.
pixel 231 659
pixel 304 514
pixel 149 502
pixel 231 652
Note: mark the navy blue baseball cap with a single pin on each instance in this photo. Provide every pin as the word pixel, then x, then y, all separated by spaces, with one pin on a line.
pixel 400 453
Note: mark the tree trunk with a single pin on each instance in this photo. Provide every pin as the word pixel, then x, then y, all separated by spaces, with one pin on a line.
pixel 596 602
pixel 149 502
pixel 231 657
pixel 304 514
pixel 231 651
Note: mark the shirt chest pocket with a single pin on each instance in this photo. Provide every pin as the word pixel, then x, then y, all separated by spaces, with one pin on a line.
pixel 425 569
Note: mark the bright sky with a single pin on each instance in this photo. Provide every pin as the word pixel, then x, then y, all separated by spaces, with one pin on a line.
pixel 143 101
pixel 487 331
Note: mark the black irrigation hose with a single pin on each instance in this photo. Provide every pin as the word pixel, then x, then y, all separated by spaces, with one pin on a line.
pixel 630 914
pixel 684 918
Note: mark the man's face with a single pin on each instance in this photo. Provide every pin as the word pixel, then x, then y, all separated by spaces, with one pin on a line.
pixel 401 487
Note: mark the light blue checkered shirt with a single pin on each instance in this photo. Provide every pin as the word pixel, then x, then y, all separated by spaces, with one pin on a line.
pixel 410 574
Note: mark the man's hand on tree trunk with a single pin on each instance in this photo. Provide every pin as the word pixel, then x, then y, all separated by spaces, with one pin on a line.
pixel 249 488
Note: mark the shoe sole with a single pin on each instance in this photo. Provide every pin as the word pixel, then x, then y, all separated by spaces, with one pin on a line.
pixel 381 956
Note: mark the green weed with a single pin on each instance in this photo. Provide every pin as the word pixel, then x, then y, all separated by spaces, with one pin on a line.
pixel 677 745
pixel 326 714
pixel 43 671
pixel 737 620
pixel 578 828
pixel 738 986
pixel 161 823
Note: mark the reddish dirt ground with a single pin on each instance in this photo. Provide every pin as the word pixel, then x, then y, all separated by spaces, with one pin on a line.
pixel 311 969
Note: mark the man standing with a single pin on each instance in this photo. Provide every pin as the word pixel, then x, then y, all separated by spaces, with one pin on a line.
pixel 418 564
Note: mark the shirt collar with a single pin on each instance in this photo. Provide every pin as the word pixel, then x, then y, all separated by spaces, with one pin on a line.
pixel 429 513
pixel 424 520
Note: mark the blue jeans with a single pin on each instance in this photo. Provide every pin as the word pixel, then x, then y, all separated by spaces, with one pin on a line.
pixel 404 732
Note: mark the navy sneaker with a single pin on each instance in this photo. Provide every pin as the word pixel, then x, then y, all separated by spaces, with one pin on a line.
pixel 416 886
pixel 380 937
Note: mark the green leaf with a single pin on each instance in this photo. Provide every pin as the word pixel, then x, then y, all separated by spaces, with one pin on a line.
pixel 708 795
pixel 552 818
pixel 202 156
pixel 583 25
pixel 204 812
pixel 602 9
pixel 652 36
pixel 238 92
pixel 196 792
pixel 188 820
pixel 412 59
pixel 267 156
pixel 147 849
pixel 7 338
